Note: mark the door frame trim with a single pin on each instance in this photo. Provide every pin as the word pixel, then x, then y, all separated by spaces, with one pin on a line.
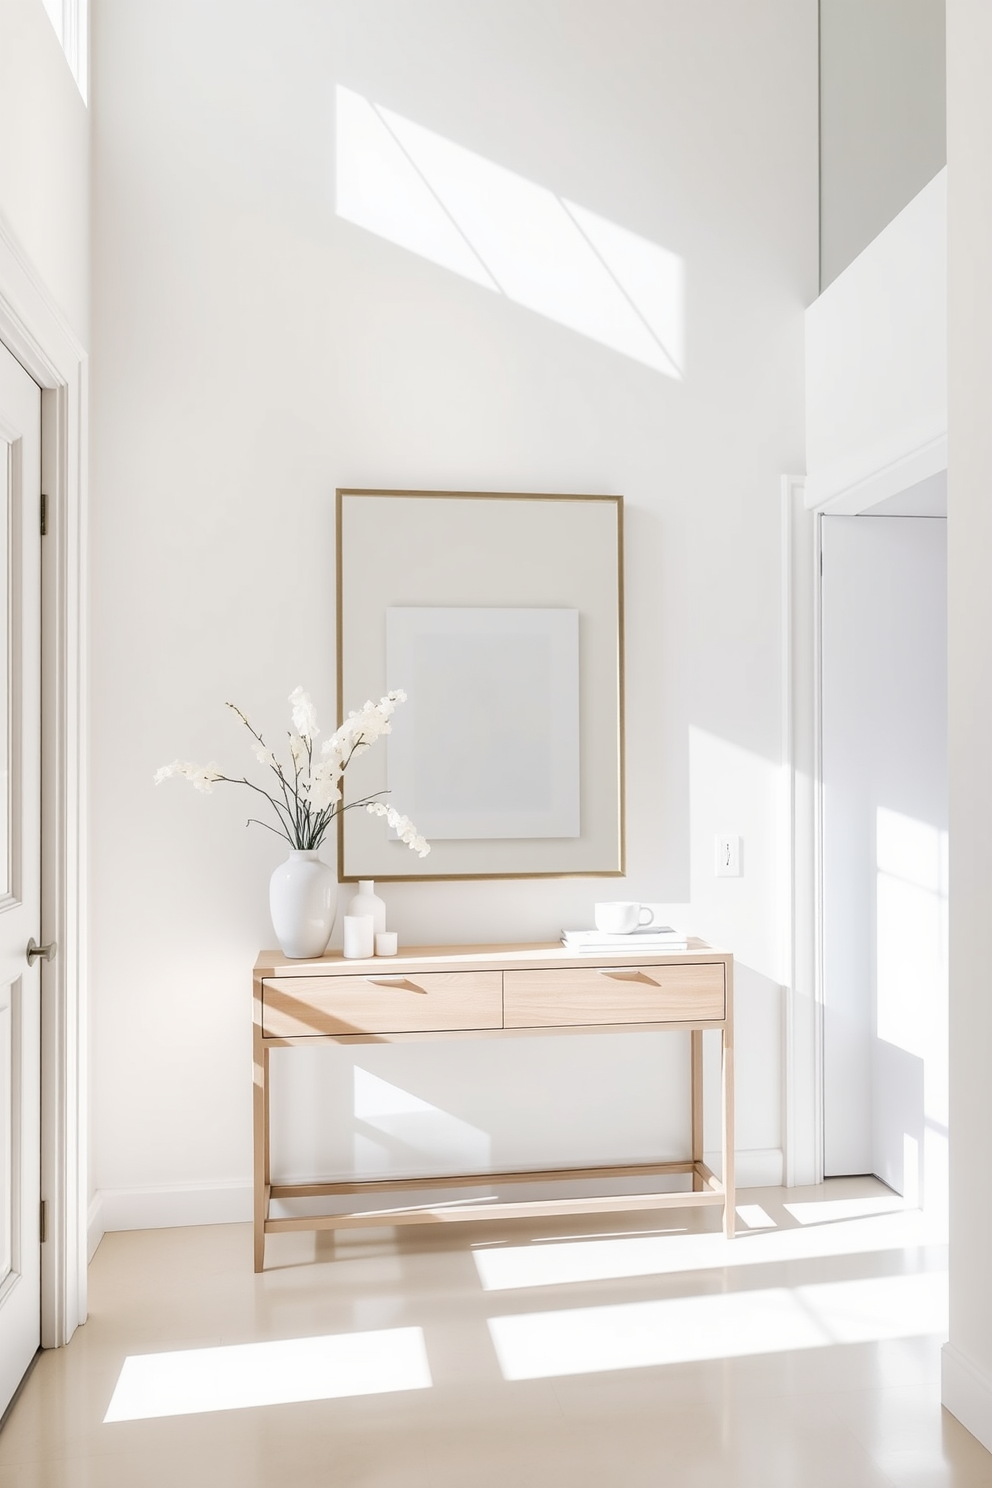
pixel 802 815
pixel 36 332
pixel 802 547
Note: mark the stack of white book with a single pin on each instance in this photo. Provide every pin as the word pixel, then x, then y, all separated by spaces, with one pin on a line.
pixel 644 938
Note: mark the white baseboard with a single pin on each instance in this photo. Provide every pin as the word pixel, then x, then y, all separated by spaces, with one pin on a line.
pixel 754 1167
pixel 966 1391
pixel 94 1227
pixel 167 1206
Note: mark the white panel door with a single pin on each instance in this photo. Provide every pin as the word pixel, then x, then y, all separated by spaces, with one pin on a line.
pixel 20 872
pixel 885 849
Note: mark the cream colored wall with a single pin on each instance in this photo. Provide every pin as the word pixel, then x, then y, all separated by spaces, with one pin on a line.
pixel 967 1381
pixel 252 351
pixel 44 162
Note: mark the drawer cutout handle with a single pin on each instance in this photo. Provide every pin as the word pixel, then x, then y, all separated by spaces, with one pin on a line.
pixel 627 974
pixel 396 981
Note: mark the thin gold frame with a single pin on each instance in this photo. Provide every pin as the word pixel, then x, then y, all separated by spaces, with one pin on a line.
pixel 339 495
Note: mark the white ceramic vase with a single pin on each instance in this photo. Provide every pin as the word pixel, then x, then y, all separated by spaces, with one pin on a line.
pixel 303 894
pixel 367 902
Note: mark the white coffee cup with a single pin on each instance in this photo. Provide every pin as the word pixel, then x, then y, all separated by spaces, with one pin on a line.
pixel 359 936
pixel 621 916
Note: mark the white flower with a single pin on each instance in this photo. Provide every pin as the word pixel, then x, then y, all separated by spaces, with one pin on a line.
pixel 309 796
pixel 200 776
pixel 401 825
pixel 203 776
pixel 324 787
pixel 361 729
pixel 263 755
pixel 336 747
pixel 304 714
pixel 324 793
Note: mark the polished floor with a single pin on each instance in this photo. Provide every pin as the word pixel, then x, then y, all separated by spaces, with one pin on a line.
pixel 636 1352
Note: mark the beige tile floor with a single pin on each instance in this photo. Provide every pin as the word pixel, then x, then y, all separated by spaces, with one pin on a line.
pixel 833 1326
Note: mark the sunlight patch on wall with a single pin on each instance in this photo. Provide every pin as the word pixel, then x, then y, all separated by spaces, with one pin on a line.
pixel 722 1326
pixel 912 932
pixel 70 21
pixel 193 1381
pixel 510 235
pixel 912 982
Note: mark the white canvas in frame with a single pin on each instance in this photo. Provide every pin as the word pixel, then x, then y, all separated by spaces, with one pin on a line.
pixel 488 744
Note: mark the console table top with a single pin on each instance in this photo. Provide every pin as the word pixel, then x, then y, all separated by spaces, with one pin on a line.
pixel 496 957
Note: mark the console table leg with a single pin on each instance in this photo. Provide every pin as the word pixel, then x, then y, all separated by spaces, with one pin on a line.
pixel 260 1122
pixel 696 1097
pixel 730 1201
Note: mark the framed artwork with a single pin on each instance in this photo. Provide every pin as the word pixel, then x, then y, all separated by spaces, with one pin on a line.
pixel 501 617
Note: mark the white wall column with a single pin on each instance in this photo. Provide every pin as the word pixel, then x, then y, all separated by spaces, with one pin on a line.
pixel 967 1363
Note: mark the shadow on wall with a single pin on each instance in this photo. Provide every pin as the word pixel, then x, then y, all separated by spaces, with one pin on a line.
pixel 510 235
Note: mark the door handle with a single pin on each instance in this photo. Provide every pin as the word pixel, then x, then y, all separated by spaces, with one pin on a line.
pixel 34 950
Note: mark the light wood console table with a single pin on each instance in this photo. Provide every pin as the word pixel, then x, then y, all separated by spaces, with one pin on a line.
pixel 493 991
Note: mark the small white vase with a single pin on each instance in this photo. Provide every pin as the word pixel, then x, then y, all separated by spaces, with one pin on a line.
pixel 367 902
pixel 303 895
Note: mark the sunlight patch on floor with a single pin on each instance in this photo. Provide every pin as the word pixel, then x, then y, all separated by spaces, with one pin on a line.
pixel 755 1217
pixel 191 1381
pixel 581 1260
pixel 679 1330
pixel 828 1211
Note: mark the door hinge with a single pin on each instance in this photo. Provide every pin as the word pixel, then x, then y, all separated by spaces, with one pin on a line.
pixel 43 1221
pixel 44 515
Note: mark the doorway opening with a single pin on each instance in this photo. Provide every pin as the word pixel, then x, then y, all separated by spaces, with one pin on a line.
pixel 884 843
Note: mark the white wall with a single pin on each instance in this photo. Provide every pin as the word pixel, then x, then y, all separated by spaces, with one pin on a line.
pixel 44 162
pixel 967 1374
pixel 253 351
pixel 876 364
pixel 882 117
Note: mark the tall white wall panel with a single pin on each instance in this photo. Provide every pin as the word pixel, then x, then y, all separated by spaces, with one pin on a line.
pixel 876 364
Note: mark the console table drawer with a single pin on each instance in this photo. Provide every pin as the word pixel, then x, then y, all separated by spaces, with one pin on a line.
pixel 294 1007
pixel 615 994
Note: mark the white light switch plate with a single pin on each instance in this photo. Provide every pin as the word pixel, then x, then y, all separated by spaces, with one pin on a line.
pixel 728 857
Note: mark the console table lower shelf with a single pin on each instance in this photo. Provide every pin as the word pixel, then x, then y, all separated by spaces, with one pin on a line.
pixel 511 991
